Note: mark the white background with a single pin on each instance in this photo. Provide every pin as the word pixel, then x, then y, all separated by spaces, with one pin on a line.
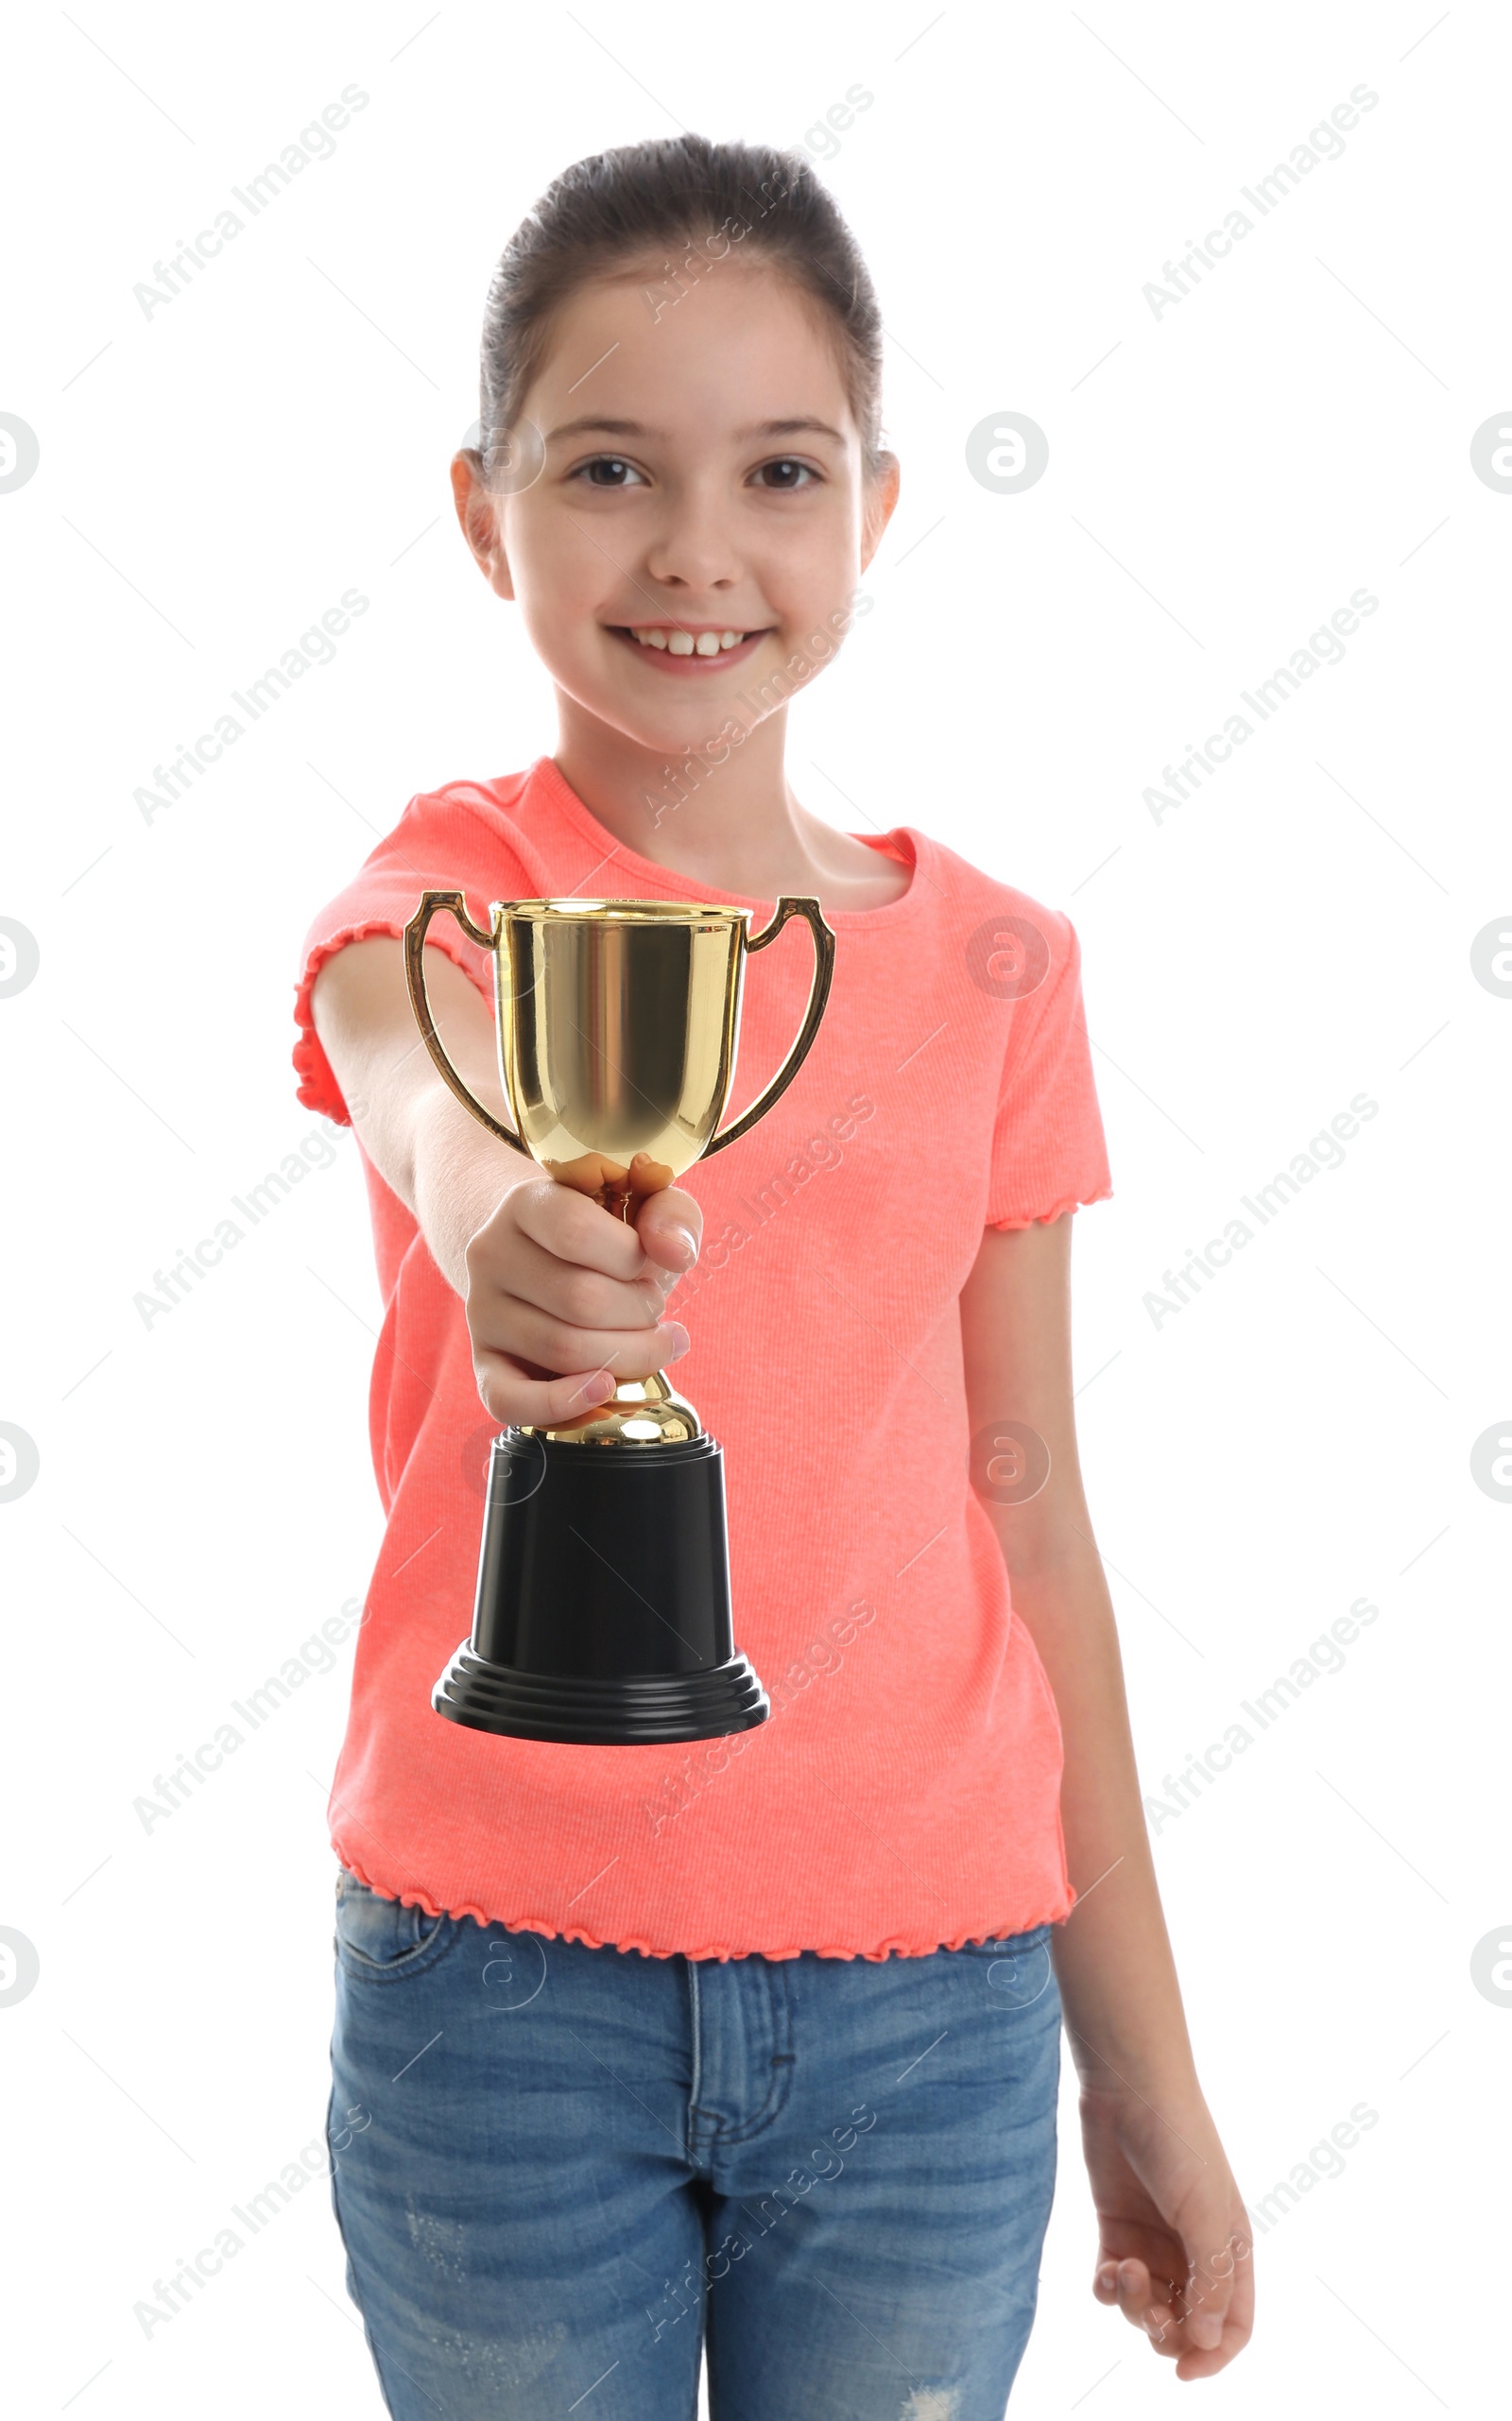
pixel 1220 480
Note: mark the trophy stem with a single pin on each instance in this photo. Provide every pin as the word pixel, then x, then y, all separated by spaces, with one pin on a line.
pixel 641 1415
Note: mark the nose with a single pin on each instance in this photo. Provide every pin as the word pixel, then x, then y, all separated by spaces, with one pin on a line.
pixel 694 547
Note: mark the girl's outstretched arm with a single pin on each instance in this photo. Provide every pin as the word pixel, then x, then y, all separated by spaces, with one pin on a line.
pixel 562 1300
pixel 1175 2246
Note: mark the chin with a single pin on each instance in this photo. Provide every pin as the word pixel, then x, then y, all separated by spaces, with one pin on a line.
pixel 696 725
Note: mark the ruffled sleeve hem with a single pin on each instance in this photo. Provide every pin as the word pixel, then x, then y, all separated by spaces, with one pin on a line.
pixel 1057 1209
pixel 317 1088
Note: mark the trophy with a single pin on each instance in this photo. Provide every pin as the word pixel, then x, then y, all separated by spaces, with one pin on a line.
pixel 603 1596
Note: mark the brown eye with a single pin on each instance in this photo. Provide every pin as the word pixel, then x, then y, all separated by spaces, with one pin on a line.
pixel 607 471
pixel 785 475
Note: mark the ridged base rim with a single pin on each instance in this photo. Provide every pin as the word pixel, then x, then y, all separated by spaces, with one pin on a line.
pixel 631 1711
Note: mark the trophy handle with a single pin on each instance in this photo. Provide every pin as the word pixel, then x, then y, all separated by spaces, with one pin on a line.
pixel 819 993
pixel 455 905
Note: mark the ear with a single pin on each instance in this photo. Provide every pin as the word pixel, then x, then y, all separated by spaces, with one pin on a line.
pixel 478 514
pixel 880 498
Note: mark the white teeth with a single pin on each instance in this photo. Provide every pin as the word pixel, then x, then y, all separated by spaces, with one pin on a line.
pixel 682 643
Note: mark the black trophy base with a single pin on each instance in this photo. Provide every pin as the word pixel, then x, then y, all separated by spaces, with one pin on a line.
pixel 603 1600
pixel 638 1709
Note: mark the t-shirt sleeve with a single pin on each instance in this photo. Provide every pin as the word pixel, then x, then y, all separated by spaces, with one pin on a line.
pixel 437 845
pixel 1049 1152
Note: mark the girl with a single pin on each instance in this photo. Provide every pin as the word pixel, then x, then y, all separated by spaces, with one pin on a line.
pixel 757 2041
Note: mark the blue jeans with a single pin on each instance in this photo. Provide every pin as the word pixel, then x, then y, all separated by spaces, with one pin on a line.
pixel 556 2170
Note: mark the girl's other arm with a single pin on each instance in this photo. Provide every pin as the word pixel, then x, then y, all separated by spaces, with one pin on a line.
pixel 551 1283
pixel 1175 2241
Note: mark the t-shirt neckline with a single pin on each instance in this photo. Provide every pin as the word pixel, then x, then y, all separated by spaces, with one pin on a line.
pixel 546 772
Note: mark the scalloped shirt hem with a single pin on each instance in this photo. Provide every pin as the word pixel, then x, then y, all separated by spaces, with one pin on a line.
pixel 900 1945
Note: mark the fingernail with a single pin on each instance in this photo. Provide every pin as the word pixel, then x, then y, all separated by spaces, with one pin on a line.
pixel 597 1390
pixel 1107 2276
pixel 687 1243
pixel 679 1345
pixel 1206 2330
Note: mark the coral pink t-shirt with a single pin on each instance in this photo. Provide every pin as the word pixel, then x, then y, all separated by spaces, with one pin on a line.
pixel 904 1793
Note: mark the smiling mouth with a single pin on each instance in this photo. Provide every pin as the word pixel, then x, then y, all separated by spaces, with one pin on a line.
pixel 674 649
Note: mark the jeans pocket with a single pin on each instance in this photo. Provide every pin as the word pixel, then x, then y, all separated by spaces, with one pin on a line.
pixel 1018 1969
pixel 380 1937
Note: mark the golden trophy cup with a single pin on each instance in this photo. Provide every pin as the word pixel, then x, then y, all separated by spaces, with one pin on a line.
pixel 603 1598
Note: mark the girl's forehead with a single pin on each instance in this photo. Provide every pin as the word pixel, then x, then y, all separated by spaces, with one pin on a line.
pixel 743 341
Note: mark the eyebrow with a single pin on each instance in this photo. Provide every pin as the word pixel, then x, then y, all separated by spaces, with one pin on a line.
pixel 606 428
pixel 592 423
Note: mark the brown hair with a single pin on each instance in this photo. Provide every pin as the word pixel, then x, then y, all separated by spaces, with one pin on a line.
pixel 682 194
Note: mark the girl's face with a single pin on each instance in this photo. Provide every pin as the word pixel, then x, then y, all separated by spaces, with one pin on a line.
pixel 703 514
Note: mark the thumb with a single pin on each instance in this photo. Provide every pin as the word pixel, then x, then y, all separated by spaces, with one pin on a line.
pixel 669 1224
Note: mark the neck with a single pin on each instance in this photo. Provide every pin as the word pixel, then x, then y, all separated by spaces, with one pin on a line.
pixel 734 823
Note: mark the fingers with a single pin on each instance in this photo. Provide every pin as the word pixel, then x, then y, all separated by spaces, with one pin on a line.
pixel 511 1397
pixel 556 1285
pixel 584 1297
pixel 667 1229
pixel 529 1334
pixel 1145 2303
pixel 1200 2322
pixel 532 1307
pixel 571 1226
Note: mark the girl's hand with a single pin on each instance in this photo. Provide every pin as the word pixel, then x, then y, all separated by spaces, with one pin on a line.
pixel 1176 2250
pixel 556 1283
